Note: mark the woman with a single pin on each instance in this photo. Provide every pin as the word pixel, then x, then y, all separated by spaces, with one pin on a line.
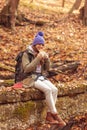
pixel 36 68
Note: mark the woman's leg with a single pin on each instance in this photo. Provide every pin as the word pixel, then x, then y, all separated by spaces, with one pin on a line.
pixel 48 93
pixel 52 115
pixel 53 89
pixel 54 93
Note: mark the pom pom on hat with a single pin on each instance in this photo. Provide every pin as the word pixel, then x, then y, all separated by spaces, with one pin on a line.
pixel 41 33
pixel 38 39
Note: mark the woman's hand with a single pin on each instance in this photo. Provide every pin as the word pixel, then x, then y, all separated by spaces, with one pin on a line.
pixel 43 55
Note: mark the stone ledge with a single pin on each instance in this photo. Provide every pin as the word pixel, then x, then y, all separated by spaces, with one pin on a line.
pixel 22 95
pixel 20 108
pixel 21 115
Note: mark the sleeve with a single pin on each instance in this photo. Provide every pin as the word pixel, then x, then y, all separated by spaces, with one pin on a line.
pixel 47 64
pixel 29 66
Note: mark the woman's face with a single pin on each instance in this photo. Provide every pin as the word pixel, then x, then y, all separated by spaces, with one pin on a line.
pixel 39 47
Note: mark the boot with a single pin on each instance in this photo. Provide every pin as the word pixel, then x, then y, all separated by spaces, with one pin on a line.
pixel 50 119
pixel 59 119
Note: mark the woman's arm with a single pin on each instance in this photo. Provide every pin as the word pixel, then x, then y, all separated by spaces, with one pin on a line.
pixel 30 66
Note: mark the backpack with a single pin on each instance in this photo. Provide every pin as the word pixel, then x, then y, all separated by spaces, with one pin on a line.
pixel 19 74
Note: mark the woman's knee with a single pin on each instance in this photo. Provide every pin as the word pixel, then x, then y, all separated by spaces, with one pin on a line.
pixel 48 91
pixel 55 90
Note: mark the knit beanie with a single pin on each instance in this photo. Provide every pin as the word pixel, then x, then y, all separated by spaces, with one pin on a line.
pixel 38 39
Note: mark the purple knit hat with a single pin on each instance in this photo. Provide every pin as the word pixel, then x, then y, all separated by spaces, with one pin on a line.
pixel 38 39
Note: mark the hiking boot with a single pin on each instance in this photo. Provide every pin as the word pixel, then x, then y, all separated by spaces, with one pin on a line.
pixel 59 119
pixel 50 119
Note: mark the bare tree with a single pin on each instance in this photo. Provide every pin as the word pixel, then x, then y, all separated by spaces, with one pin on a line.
pixel 8 13
pixel 83 10
pixel 75 6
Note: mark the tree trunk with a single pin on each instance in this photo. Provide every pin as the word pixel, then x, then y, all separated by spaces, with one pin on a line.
pixel 85 13
pixel 63 3
pixel 75 6
pixel 8 13
pixel 83 10
pixel 31 1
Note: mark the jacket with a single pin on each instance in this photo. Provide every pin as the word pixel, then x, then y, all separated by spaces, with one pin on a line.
pixel 30 67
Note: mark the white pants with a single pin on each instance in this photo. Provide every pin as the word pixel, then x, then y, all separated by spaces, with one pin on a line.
pixel 50 92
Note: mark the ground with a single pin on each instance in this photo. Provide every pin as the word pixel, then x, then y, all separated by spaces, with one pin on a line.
pixel 65 37
pixel 79 123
